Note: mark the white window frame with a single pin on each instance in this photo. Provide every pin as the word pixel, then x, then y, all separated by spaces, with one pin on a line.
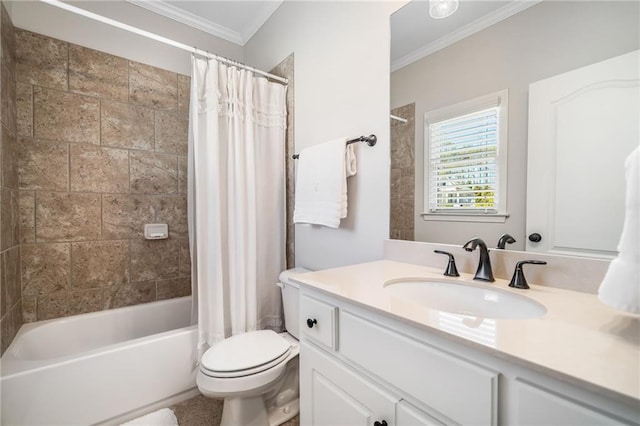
pixel 498 99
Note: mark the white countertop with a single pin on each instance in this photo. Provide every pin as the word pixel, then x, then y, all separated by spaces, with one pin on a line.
pixel 579 338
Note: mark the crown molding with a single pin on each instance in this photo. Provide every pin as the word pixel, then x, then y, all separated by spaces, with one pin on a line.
pixel 190 19
pixel 259 20
pixel 478 25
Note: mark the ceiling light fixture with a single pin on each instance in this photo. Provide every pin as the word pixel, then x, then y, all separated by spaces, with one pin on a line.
pixel 439 9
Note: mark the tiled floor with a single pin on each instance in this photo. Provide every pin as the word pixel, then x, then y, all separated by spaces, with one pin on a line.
pixel 201 411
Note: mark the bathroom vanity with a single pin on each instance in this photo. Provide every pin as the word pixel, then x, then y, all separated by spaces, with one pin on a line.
pixel 370 356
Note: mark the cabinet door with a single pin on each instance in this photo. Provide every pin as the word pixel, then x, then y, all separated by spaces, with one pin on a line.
pixel 409 415
pixel 539 406
pixel 331 394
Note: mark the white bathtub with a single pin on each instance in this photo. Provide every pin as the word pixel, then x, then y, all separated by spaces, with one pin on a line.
pixel 103 367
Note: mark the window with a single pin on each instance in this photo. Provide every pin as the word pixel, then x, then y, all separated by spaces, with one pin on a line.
pixel 466 159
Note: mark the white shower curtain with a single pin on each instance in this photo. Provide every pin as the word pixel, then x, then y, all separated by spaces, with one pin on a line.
pixel 236 201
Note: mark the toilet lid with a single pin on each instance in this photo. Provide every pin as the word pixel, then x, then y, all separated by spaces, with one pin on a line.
pixel 245 354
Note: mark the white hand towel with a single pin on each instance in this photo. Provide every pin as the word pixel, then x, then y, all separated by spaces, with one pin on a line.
pixel 321 183
pixel 620 287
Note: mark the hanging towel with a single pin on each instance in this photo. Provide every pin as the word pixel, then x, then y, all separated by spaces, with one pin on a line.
pixel 321 183
pixel 620 287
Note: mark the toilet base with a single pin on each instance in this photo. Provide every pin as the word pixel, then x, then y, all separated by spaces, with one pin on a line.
pixel 279 415
pixel 252 412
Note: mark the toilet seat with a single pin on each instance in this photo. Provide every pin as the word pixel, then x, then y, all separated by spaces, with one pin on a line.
pixel 245 354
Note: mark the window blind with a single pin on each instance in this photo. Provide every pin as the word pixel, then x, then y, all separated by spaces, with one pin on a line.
pixel 463 162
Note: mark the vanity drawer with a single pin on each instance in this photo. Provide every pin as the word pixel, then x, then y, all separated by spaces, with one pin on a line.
pixel 318 321
pixel 464 392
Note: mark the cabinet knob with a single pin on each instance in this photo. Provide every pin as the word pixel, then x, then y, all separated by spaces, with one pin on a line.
pixel 311 322
pixel 382 423
pixel 535 237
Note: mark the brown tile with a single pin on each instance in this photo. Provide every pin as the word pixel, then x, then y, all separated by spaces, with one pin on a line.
pixel 29 309
pixel 395 183
pixel 152 173
pixel 7 39
pixel 27 207
pixel 407 183
pixel 130 294
pixel 185 257
pixel 41 60
pixel 172 132
pixel 98 169
pixel 402 215
pixel 126 126
pixel 173 211
pixel 199 411
pixel 12 282
pixel 24 107
pixel 9 158
pixel 98 74
pixel 43 165
pixel 182 176
pixel 8 111
pixel 152 87
pixel 184 93
pixel 124 216
pixel 10 214
pixel 10 325
pixel 67 217
pixel 66 303
pixel 3 298
pixel 65 116
pixel 151 260
pixel 99 264
pixel 176 287
pixel 45 268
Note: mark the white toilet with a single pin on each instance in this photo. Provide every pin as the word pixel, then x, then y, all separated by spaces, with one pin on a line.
pixel 257 372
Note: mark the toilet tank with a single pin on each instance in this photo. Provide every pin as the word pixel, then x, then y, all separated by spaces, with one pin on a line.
pixel 290 300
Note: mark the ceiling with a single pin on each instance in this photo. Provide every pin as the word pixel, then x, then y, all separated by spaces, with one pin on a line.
pixel 414 34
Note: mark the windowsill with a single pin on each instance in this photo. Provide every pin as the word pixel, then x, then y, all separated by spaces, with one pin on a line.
pixel 466 217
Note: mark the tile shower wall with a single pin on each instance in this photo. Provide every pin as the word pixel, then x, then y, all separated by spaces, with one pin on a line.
pixel 102 145
pixel 10 287
pixel 402 173
pixel 285 69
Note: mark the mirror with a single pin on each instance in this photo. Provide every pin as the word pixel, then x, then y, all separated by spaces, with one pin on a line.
pixel 485 47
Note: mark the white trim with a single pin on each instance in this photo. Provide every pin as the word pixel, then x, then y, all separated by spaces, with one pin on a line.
pixel 500 14
pixel 188 18
pixel 250 30
pixel 180 15
pixel 465 217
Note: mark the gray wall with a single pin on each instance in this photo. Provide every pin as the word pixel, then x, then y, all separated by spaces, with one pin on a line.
pixel 544 40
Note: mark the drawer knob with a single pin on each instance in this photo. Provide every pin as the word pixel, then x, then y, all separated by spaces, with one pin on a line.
pixel 382 423
pixel 311 322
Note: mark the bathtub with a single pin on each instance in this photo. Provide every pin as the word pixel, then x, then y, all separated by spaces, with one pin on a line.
pixel 100 368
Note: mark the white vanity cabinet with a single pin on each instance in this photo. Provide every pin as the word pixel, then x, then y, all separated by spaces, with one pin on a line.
pixel 360 367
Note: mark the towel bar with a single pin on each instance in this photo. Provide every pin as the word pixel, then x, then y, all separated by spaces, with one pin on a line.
pixel 370 140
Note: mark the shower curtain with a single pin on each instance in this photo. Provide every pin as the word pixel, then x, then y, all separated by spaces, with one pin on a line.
pixel 236 206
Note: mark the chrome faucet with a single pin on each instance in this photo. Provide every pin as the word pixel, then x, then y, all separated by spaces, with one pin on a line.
pixel 484 272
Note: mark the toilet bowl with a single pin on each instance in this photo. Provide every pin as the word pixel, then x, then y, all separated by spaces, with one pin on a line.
pixel 257 372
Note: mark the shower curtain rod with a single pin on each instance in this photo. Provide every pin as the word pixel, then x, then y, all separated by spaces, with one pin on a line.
pixel 161 39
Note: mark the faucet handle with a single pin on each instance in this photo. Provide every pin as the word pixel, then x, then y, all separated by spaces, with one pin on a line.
pixel 518 280
pixel 451 271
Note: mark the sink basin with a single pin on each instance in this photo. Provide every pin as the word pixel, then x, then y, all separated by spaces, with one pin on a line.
pixel 465 299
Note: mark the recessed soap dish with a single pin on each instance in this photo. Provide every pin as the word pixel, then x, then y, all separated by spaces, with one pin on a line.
pixel 156 231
